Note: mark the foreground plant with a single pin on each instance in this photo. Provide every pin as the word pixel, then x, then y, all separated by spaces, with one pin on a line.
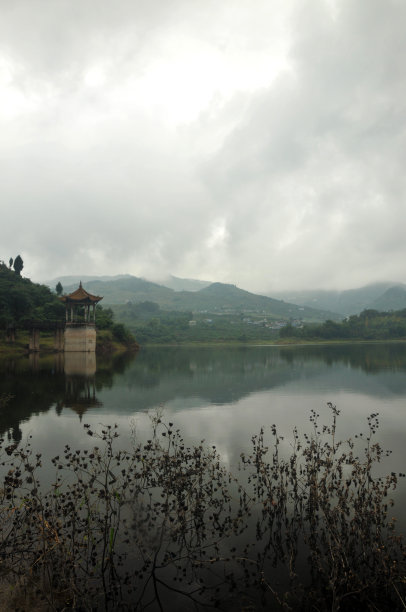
pixel 325 518
pixel 165 526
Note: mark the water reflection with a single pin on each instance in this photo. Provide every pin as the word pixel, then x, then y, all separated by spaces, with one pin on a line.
pixel 371 358
pixel 35 384
pixel 80 383
pixel 80 364
pixel 184 377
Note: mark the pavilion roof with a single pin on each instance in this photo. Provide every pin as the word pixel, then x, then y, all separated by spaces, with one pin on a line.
pixel 81 296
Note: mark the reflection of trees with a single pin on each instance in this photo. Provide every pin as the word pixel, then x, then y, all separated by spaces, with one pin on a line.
pixel 32 390
pixel 215 375
pixel 222 375
pixel 371 358
pixel 110 365
pixel 35 384
pixel 218 375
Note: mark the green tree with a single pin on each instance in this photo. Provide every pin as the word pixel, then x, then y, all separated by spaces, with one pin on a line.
pixel 59 288
pixel 104 317
pixel 18 264
pixel 10 262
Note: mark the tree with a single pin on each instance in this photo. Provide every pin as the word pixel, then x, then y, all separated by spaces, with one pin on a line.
pixel 10 262
pixel 59 288
pixel 18 264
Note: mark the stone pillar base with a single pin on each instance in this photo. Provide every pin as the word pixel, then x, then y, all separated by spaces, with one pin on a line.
pixel 81 339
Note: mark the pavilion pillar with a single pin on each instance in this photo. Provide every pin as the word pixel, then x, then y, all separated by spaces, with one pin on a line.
pixel 33 345
pixel 59 339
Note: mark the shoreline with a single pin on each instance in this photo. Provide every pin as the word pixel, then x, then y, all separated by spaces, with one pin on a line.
pixel 104 347
pixel 265 343
pixel 110 347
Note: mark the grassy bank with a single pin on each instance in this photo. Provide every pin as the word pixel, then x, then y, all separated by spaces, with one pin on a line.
pixel 20 345
pixel 106 343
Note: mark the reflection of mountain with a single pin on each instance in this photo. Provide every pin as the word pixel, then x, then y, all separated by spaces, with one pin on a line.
pixel 223 375
pixel 33 385
pixel 189 377
pixel 371 358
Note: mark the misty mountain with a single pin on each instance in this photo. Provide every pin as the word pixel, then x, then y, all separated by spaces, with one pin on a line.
pixel 183 284
pixel 68 281
pixel 379 296
pixel 220 297
pixel 394 298
pixel 127 289
pixel 171 282
pixel 216 298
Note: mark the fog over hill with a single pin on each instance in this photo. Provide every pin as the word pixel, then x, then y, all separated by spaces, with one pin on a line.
pixel 381 296
pixel 171 282
pixel 218 298
pixel 378 296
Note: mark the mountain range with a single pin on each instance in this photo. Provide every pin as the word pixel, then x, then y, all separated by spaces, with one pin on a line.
pixel 215 298
pixel 197 295
pixel 383 296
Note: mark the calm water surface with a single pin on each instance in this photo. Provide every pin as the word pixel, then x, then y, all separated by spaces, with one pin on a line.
pixel 222 395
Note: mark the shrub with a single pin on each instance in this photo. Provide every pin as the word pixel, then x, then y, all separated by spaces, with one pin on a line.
pixel 164 525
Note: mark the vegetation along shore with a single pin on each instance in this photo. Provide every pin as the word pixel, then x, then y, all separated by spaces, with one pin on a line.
pixel 24 303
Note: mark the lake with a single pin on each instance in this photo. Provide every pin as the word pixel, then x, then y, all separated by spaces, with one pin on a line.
pixel 221 395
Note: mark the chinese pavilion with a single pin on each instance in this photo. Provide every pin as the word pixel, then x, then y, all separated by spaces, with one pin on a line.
pixel 80 314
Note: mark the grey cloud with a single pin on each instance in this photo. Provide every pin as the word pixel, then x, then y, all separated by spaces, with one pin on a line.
pixel 297 184
pixel 324 145
pixel 50 36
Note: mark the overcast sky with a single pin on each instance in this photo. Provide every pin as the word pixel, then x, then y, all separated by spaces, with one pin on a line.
pixel 256 142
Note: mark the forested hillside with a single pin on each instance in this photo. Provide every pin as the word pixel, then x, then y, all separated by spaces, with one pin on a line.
pixel 22 301
pixel 217 298
pixel 150 324
pixel 369 325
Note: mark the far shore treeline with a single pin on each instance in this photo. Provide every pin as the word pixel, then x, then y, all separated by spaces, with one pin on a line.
pixel 369 325
pixel 147 322
pixel 152 325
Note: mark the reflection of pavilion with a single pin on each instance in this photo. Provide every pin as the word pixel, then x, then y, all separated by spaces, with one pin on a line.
pixel 80 394
pixel 80 383
pixel 80 364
